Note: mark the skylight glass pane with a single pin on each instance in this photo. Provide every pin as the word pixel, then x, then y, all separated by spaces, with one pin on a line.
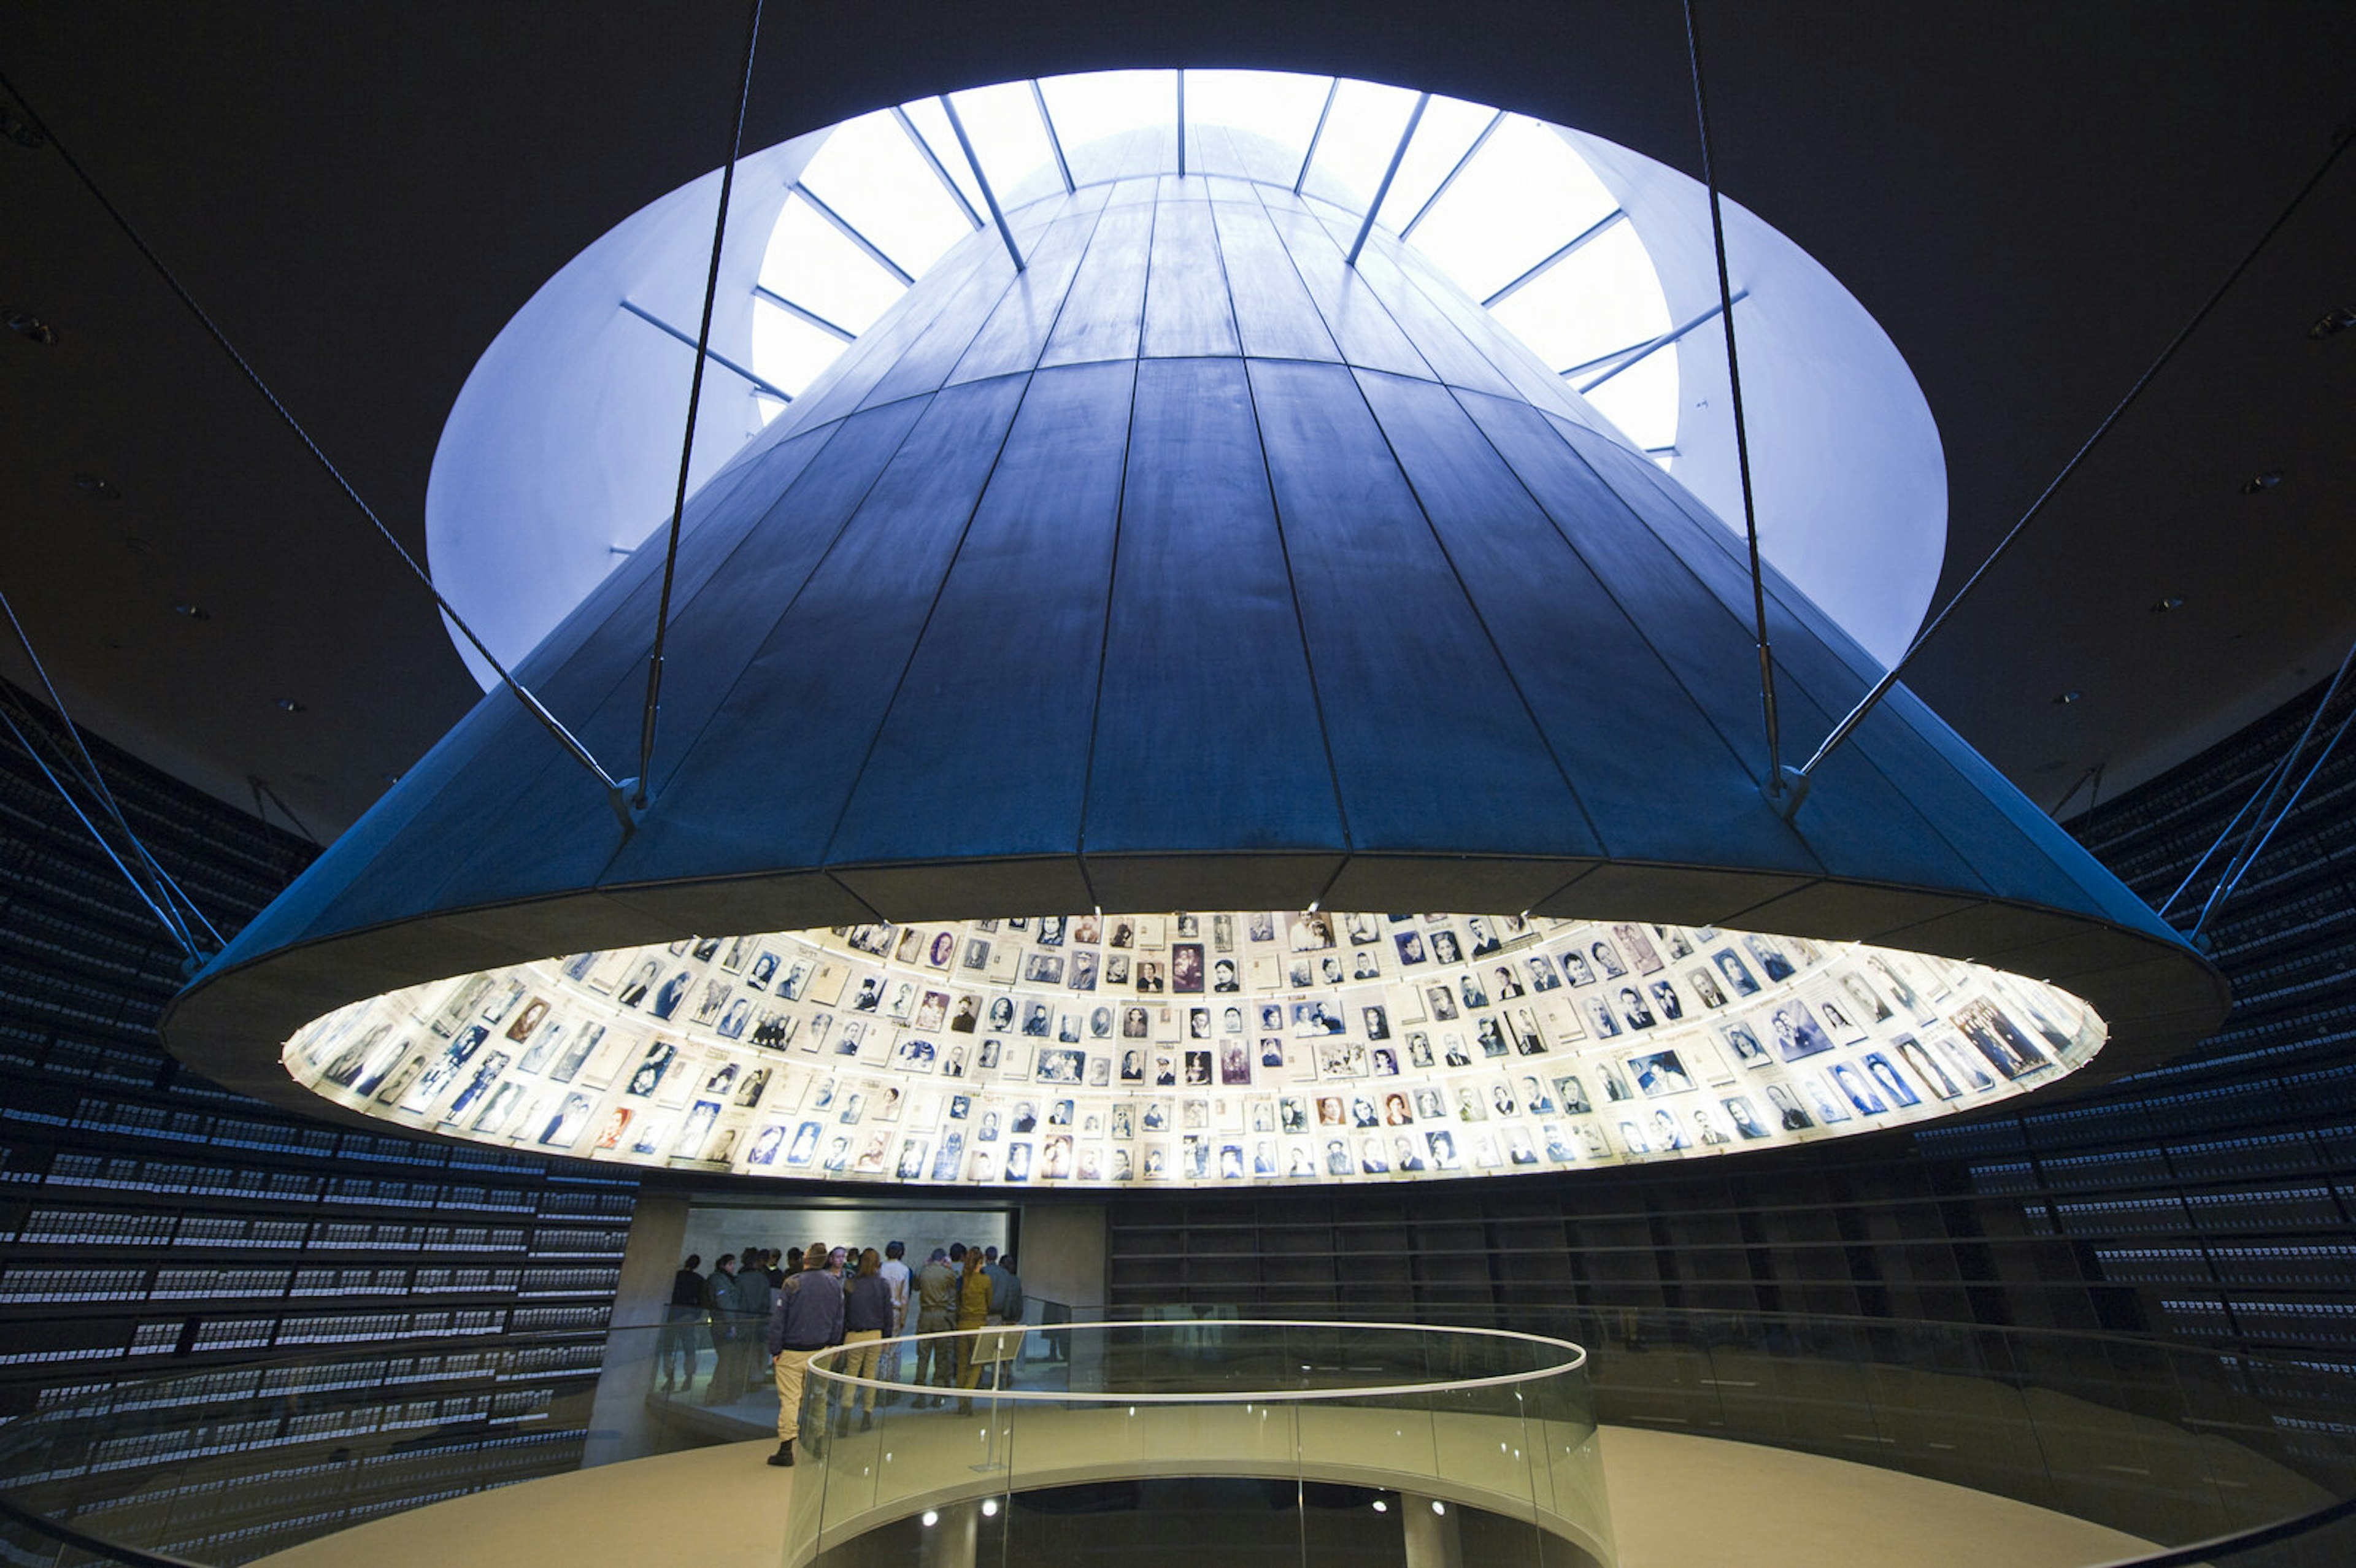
pixel 1642 400
pixel 1360 136
pixel 872 175
pixel 1278 106
pixel 764 409
pixel 786 350
pixel 1449 126
pixel 1095 105
pixel 1009 140
pixel 1522 198
pixel 1600 297
pixel 812 263
pixel 934 127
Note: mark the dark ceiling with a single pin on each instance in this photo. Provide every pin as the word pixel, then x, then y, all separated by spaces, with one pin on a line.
pixel 2032 198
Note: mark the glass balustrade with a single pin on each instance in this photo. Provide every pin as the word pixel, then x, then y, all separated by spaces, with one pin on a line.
pixel 1283 1435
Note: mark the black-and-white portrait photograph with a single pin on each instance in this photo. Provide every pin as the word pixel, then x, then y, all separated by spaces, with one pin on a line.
pixel 1797 1033
pixel 1892 1082
pixel 1660 1073
pixel 1059 1064
pixel 1995 1037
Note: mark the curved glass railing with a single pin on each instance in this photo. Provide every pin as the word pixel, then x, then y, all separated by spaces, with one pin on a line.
pixel 1047 1452
pixel 2222 1458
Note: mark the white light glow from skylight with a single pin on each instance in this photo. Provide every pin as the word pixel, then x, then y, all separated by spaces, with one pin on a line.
pixel 872 177
pixel 1520 195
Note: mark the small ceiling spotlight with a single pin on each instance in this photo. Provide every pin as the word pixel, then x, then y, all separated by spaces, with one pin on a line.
pixel 1381 1507
pixel 931 1519
pixel 192 610
pixel 2333 322
pixel 2259 484
pixel 1438 1507
pixel 989 1508
pixel 98 486
pixel 20 131
pixel 25 324
pixel 288 705
pixel 2165 605
pixel 2067 697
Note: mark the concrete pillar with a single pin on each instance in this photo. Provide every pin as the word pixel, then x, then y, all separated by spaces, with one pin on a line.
pixel 1431 1536
pixel 619 1424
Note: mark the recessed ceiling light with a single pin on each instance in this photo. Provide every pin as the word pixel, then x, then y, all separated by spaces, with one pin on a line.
pixel 2333 322
pixel 25 324
pixel 2259 484
pixel 288 705
pixel 98 486
pixel 192 610
pixel 2165 605
pixel 2067 697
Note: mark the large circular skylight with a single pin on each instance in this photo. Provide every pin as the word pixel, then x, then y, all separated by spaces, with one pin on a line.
pixel 1504 204
pixel 562 451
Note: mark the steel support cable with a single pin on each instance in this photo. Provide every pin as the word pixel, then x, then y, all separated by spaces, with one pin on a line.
pixel 94 781
pixel 1881 687
pixel 2268 787
pixel 687 445
pixel 2270 818
pixel 177 931
pixel 2232 884
pixel 1775 784
pixel 523 694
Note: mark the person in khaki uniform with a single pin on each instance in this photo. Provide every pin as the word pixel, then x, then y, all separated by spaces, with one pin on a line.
pixel 805 1318
pixel 936 1303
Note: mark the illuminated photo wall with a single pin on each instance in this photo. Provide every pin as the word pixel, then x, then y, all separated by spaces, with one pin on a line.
pixel 1224 1049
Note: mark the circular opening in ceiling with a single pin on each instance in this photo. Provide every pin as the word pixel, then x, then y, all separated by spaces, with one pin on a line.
pixel 1214 1048
pixel 562 453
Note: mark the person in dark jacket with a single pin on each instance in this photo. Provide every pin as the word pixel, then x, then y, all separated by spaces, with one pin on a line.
pixel 805 1319
pixel 866 1318
pixel 720 1315
pixel 677 1347
pixel 752 1308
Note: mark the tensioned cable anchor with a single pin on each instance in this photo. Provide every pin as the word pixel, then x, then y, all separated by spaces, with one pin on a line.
pixel 2341 137
pixel 1779 788
pixel 522 693
pixel 637 801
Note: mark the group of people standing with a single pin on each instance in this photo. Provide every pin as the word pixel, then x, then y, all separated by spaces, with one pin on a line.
pixel 758 1307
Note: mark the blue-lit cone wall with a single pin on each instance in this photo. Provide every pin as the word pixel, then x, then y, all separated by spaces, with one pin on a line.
pixel 1188 568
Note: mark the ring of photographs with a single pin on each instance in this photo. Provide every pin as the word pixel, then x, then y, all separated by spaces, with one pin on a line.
pixel 1195 1050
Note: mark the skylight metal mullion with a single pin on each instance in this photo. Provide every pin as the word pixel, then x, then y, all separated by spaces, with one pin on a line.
pixel 668 330
pixel 1317 136
pixel 850 231
pixel 1383 190
pixel 1637 353
pixel 1054 141
pixel 973 162
pixel 1593 232
pixel 1433 200
pixel 933 162
pixel 1181 121
pixel 802 313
